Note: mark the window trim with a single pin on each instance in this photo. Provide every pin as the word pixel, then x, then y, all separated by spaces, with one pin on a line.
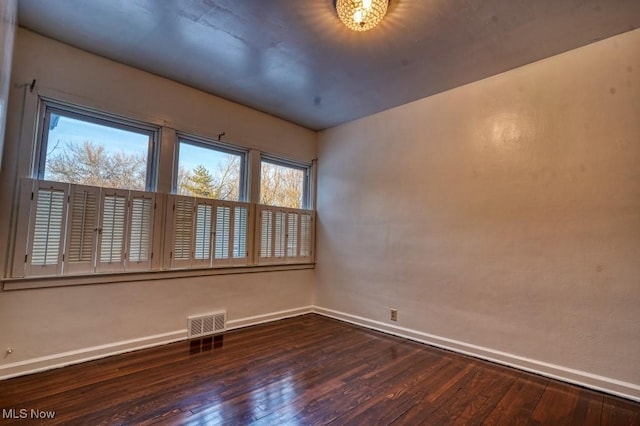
pixel 162 153
pixel 206 143
pixel 292 164
pixel 89 115
pixel 38 282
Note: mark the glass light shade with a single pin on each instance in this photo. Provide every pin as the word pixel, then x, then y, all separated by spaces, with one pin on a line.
pixel 361 15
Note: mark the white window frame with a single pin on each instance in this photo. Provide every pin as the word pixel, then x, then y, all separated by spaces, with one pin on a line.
pixel 49 106
pixel 86 234
pixel 292 164
pixel 201 142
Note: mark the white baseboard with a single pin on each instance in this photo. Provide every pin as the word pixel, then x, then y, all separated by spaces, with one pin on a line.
pixel 273 316
pixel 49 362
pixel 581 378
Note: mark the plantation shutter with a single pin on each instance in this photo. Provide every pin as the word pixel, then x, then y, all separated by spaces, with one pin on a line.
pixel 292 234
pixel 183 229
pixel 111 245
pixel 266 234
pixel 203 233
pixel 48 216
pixel 230 241
pixel 306 224
pixel 280 234
pixel 286 235
pixel 240 232
pixel 141 216
pixel 82 229
pixel 222 232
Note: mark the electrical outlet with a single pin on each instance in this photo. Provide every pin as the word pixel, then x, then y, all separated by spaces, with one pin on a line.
pixel 394 314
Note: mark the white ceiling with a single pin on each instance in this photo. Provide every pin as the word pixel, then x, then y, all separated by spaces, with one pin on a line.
pixel 294 59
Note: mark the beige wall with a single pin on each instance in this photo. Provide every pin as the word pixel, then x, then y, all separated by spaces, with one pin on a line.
pixel 8 12
pixel 501 218
pixel 43 325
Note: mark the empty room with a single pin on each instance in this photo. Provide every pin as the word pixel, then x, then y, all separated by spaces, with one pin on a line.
pixel 347 212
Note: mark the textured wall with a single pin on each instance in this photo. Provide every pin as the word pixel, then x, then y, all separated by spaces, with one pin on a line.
pixel 504 213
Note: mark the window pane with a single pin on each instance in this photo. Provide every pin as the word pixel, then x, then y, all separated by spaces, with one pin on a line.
pixel 282 186
pixel 208 173
pixel 87 153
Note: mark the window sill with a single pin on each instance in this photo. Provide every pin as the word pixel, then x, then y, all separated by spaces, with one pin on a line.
pixel 122 277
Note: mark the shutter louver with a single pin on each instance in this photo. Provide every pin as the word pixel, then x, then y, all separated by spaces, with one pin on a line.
pixel 223 232
pixel 240 233
pixel 292 234
pixel 48 226
pixel 305 235
pixel 266 234
pixel 183 229
pixel 140 230
pixel 203 232
pixel 112 236
pixel 82 226
pixel 280 235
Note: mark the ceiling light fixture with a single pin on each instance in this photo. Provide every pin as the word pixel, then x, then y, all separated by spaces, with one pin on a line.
pixel 361 15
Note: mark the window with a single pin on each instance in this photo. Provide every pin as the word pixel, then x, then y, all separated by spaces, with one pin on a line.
pixel 210 170
pixel 92 204
pixel 284 183
pixel 87 148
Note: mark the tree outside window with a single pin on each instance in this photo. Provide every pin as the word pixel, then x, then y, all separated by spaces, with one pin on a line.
pixel 92 152
pixel 208 172
pixel 282 186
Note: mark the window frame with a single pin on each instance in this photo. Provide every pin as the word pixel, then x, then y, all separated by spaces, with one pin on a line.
pixel 206 143
pixel 162 157
pixel 292 164
pixel 48 106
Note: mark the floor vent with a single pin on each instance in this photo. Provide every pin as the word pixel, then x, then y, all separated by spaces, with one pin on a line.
pixel 204 325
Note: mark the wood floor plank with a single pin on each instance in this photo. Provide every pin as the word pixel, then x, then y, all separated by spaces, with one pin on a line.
pixel 557 404
pixel 305 370
pixel 618 411
pixel 518 402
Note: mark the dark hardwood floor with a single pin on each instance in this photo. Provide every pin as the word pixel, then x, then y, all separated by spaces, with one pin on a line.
pixel 304 371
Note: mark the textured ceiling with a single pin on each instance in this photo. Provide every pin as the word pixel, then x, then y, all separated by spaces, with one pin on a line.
pixel 294 59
